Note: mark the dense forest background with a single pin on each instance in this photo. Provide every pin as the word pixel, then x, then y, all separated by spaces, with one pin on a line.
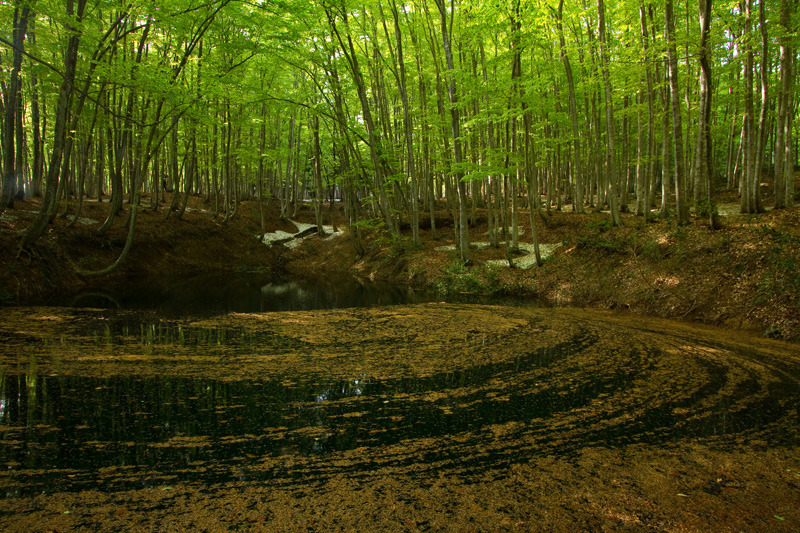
pixel 398 108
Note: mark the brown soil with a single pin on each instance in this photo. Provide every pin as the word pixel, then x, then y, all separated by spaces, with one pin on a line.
pixel 746 275
pixel 198 243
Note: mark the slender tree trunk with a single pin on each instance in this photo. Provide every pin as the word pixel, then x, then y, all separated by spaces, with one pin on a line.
pixel 373 133
pixel 399 71
pixel 763 128
pixel 666 146
pixel 749 189
pixel 12 107
pixel 784 163
pixel 577 158
pixel 35 230
pixel 458 174
pixel 611 155
pixel 681 205
pixel 317 176
pixel 705 159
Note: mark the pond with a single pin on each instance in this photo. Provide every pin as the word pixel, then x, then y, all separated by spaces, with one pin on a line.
pixel 137 407
pixel 214 294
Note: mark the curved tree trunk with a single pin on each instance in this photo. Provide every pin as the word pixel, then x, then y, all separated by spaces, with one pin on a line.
pixel 36 229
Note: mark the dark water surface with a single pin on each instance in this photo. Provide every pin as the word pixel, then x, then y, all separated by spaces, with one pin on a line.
pixel 247 293
pixel 67 424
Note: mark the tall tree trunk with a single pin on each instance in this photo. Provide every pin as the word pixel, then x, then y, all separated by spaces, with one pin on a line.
pixel 36 123
pixel 458 174
pixel 681 205
pixel 650 164
pixel 35 230
pixel 784 163
pixel 763 129
pixel 317 176
pixel 12 107
pixel 399 71
pixel 611 155
pixel 577 158
pixel 705 159
pixel 373 133
pixel 749 187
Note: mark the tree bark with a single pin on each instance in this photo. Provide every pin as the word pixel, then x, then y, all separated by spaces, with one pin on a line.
pixel 12 106
pixel 611 156
pixel 784 164
pixel 458 173
pixel 705 157
pixel 35 230
pixel 681 205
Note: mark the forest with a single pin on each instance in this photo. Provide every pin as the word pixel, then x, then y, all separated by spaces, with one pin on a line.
pixel 397 108
pixel 399 265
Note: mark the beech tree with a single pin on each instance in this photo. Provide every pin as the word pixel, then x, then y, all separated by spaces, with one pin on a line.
pixel 397 107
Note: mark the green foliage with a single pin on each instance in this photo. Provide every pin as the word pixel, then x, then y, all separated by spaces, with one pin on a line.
pixel 6 297
pixel 369 224
pixel 678 233
pixel 781 281
pixel 600 226
pixel 603 239
pixel 402 245
pixel 478 279
pixel 654 250
pixel 773 332
pixel 704 208
pixel 458 278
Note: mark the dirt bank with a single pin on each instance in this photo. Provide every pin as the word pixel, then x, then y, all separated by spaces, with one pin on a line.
pixel 746 275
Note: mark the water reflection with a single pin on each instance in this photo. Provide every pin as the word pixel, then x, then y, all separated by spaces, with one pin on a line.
pixel 186 402
pixel 241 293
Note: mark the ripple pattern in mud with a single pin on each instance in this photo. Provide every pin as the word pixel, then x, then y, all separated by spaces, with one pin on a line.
pixel 289 397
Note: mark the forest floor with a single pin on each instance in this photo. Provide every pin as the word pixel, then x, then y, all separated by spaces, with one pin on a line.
pixel 745 275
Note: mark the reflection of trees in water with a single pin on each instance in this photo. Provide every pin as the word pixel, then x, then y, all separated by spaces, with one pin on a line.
pixel 511 400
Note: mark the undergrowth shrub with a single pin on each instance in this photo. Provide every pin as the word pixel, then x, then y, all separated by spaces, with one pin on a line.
pixel 602 239
pixel 458 278
pixel 781 281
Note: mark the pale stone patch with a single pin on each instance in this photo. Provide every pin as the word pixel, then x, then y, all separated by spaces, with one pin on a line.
pixel 526 262
pixel 302 227
pixel 523 262
pixel 276 237
pixel 293 240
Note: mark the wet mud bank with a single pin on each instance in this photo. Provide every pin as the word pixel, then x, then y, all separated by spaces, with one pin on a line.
pixel 426 417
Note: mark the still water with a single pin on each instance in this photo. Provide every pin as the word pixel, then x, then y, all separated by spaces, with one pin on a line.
pixel 119 399
pixel 241 293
